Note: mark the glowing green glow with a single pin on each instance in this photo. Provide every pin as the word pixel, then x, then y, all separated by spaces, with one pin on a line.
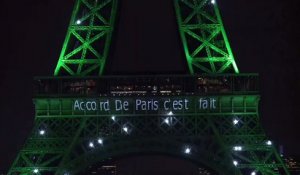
pixel 88 39
pixel 205 43
pixel 61 133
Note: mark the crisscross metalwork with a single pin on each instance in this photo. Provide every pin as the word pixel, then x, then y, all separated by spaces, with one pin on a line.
pixel 88 39
pixel 229 139
pixel 205 42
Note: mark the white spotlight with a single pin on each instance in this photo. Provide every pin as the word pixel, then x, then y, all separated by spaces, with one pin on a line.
pixel 91 145
pixel 170 113
pixel 213 1
pixel 113 118
pixel 235 163
pixel 187 150
pixel 78 22
pixel 125 129
pixel 253 173
pixel 42 132
pixel 235 121
pixel 100 141
pixel 269 142
pixel 35 171
pixel 167 121
pixel 238 148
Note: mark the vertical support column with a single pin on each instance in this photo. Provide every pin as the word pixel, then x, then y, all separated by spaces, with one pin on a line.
pixel 88 39
pixel 204 40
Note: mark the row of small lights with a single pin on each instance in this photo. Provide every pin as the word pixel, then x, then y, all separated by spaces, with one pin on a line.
pixel 187 149
pixel 125 128
pixel 240 148
pixel 99 141
pixel 167 121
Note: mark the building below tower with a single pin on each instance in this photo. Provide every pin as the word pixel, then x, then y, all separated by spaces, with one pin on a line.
pixel 203 171
pixel 102 170
pixel 293 165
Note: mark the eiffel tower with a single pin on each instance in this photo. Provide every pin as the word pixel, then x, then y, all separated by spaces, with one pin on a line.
pixel 209 117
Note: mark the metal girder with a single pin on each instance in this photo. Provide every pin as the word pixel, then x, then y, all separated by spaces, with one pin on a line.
pixel 204 40
pixel 230 140
pixel 88 39
pixel 65 146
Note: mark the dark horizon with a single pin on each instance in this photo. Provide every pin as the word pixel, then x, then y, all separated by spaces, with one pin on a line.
pixel 263 35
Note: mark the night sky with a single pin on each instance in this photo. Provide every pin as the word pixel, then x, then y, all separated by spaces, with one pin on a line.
pixel 264 36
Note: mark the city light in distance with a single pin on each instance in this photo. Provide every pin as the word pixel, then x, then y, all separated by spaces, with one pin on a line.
pixel 235 163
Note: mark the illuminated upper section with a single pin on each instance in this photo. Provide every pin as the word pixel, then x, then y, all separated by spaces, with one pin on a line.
pixel 86 47
pixel 87 43
pixel 205 43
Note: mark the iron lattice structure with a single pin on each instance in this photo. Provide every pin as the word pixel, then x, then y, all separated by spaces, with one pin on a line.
pixel 229 139
pixel 88 39
pixel 204 40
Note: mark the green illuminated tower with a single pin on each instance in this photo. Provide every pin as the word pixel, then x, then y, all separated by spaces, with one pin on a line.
pixel 88 39
pixel 205 43
pixel 209 117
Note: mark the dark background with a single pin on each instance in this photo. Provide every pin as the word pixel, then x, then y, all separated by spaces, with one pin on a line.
pixel 264 36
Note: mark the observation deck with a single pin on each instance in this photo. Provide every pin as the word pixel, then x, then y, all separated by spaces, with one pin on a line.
pixel 154 85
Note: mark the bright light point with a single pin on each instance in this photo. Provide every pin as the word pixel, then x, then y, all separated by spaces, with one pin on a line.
pixel 253 173
pixel 187 150
pixel 125 129
pixel 113 118
pixel 100 141
pixel 235 163
pixel 35 170
pixel 170 113
pixel 167 121
pixel 235 121
pixel 91 145
pixel 213 1
pixel 42 132
pixel 78 22
pixel 237 148
pixel 269 142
